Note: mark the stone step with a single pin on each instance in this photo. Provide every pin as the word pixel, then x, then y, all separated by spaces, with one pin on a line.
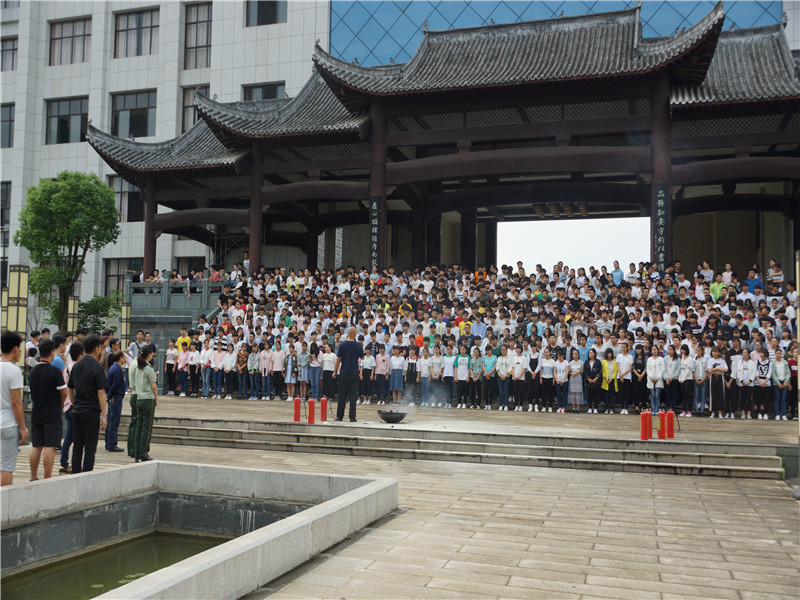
pixel 410 432
pixel 605 464
pixel 654 454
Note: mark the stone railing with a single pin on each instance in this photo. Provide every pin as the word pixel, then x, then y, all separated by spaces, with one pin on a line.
pixel 167 297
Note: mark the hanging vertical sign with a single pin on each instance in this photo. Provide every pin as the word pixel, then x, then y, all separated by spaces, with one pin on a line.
pixel 661 221
pixel 375 231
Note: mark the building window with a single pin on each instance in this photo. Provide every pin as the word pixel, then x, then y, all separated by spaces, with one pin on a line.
pixel 265 12
pixel 198 36
pixel 136 34
pixel 7 133
pixel 5 228
pixel 189 113
pixel 66 120
pixel 9 54
pixel 187 263
pixel 134 114
pixel 129 200
pixel 10 3
pixel 70 42
pixel 264 91
pixel 119 271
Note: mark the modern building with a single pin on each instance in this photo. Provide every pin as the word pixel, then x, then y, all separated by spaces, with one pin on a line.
pixel 132 70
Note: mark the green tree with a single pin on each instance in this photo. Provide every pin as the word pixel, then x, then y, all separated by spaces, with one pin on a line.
pixel 94 314
pixel 63 220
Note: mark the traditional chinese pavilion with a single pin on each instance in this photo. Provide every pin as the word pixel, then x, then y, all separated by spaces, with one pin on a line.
pixel 567 118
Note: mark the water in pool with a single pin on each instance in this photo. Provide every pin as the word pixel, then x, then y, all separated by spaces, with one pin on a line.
pixel 96 573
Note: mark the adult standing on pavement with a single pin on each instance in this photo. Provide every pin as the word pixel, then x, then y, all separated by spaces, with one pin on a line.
pixel 12 419
pixel 115 392
pixel 75 354
pixel 144 393
pixel 48 393
pixel 87 391
pixel 347 357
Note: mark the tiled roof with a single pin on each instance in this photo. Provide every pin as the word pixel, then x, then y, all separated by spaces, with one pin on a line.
pixel 196 148
pixel 588 46
pixel 314 110
pixel 749 65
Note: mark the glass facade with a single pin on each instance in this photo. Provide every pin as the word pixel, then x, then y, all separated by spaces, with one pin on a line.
pixel 376 31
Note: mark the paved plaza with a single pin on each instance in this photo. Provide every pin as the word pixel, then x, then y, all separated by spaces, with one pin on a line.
pixel 486 531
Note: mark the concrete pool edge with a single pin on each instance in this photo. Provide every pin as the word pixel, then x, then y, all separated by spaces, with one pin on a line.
pixel 343 506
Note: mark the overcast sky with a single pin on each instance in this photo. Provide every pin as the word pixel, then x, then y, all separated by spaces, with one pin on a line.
pixel 576 242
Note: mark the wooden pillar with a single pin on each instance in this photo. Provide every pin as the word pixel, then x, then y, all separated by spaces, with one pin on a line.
pixel 433 233
pixel 660 197
pixel 377 185
pixel 256 221
pixel 469 238
pixel 491 243
pixel 418 239
pixel 150 210
pixel 312 249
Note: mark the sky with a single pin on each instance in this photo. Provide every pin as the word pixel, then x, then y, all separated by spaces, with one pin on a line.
pixel 576 242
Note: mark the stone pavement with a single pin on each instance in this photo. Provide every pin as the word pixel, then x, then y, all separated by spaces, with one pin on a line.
pixel 783 433
pixel 485 531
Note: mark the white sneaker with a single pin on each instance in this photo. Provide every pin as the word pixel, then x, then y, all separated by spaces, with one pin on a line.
pixel 439 405
pixel 228 397
pixel 368 402
pixel 783 418
pixel 505 408
pixel 535 408
pixel 530 408
pixel 688 414
pixel 777 417
pixel 711 416
pixel 549 409
pixel 182 395
pixel 595 411
pixel 289 399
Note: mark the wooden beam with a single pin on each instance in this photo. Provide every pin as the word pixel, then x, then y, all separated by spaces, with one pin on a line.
pixel 737 169
pixel 340 164
pixel 163 196
pixel 201 216
pixel 726 202
pixel 520 131
pixel 735 140
pixel 520 160
pixel 312 190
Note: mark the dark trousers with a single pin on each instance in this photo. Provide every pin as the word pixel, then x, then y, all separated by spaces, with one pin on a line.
pixel 113 415
pixel 67 439
pixel 328 389
pixel 194 379
pixel 170 369
pixel 475 392
pixel 348 392
pixel 489 391
pixel 381 387
pixel 277 381
pixel 85 431
pixel 141 428
pixel 593 394
pixel 625 393
pixel 518 391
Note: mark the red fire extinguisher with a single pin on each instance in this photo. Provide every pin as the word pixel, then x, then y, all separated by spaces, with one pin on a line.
pixel 323 410
pixel 670 424
pixel 649 424
pixel 643 430
pixel 297 410
pixel 662 425
pixel 311 411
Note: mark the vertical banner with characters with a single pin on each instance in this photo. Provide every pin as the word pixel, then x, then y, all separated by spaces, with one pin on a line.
pixel 661 225
pixel 376 231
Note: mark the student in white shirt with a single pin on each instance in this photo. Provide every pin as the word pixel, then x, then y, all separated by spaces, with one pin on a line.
pixel 655 378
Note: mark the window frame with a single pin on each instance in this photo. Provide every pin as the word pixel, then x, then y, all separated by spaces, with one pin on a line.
pixel 192 28
pixel 116 113
pixel 83 114
pixel 138 30
pixel 252 10
pixel 5 230
pixel 9 133
pixel 60 41
pixel 126 194
pixel 9 55
pixel 118 278
pixel 188 108
pixel 280 90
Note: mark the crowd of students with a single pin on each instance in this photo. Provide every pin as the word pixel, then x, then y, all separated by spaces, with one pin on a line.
pixel 568 340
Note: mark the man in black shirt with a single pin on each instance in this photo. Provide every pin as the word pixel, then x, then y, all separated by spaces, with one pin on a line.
pixel 87 383
pixel 48 393
pixel 347 356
